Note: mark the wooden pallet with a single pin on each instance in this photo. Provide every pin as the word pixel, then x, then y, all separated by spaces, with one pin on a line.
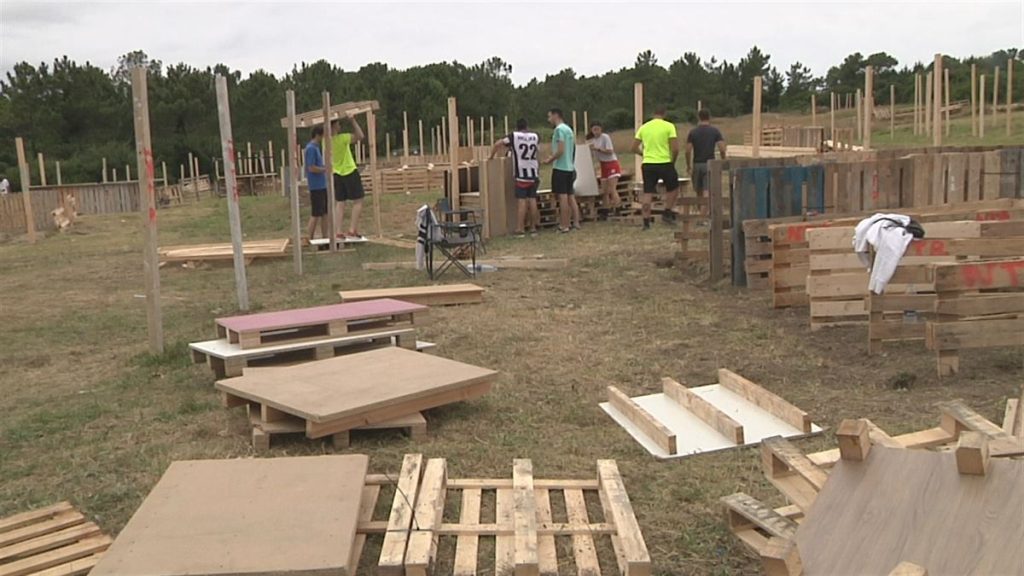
pixel 220 252
pixel 439 295
pixel 316 323
pixel 538 524
pixel 413 425
pixel 228 360
pixel 52 541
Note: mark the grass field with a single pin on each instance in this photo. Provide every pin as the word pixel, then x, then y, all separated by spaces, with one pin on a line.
pixel 90 417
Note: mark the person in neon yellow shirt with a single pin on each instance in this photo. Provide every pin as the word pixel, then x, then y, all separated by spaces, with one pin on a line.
pixel 348 184
pixel 660 146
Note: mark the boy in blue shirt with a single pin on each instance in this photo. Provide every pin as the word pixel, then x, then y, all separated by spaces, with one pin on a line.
pixel 316 178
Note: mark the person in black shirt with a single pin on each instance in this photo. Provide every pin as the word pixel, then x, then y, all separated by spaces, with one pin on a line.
pixel 700 148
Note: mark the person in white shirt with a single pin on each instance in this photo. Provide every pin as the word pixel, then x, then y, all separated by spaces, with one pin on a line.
pixel 611 170
pixel 5 186
pixel 522 146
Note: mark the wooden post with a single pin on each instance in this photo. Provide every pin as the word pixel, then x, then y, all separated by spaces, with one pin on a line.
pixel 490 141
pixel 42 169
pixel 405 137
pixel 26 184
pixel 192 172
pixel 937 93
pixel 127 172
pixel 700 105
pixel 926 107
pixel 868 104
pixel 481 142
pixel 113 174
pixel 1009 100
pixel 974 100
pixel 147 203
pixel 945 81
pixel 197 172
pixel 443 142
pixel 638 120
pixel 216 170
pixel 453 153
pixel 755 132
pixel 293 181
pixel 586 122
pixel 375 180
pixel 917 104
pixel 470 137
pixel 387 146
pixel 995 98
pixel 981 107
pixel 814 110
pixel 575 126
pixel 250 165
pixel 892 111
pixel 832 119
pixel 270 156
pixel 181 174
pixel 332 231
pixel 507 131
pixel 859 113
pixel 423 146
pixel 104 170
pixel 60 181
pixel 227 146
pixel 433 141
pixel 163 169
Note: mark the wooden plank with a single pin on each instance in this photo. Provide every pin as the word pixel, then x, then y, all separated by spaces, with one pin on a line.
pixel 293 180
pixel 547 553
pixel 771 403
pixel 504 545
pixel 637 560
pixel 789 470
pixel 975 334
pixel 957 417
pixel 654 429
pixel 392 553
pixel 367 505
pixel 704 410
pixel 25 518
pixel 746 511
pixel 78 567
pixel 466 545
pixel 582 544
pixel 978 275
pixel 421 551
pixel 56 557
pixel 45 525
pixel 980 305
pixel 1011 416
pixel 526 556
pixel 49 541
pixel 509 263
pixel 337 112
pixel 441 295
pixel 234 217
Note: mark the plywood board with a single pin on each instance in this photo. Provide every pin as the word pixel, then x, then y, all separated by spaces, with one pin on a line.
pixel 914 506
pixel 347 388
pixel 244 517
pixel 442 295
pixel 693 435
pixel 586 178
pixel 210 252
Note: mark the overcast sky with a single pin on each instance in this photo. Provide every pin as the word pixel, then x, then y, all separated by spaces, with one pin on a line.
pixel 535 38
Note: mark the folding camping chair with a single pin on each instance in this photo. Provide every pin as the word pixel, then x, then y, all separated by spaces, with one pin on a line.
pixel 457 234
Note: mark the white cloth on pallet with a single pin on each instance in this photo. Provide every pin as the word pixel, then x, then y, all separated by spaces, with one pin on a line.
pixel 890 241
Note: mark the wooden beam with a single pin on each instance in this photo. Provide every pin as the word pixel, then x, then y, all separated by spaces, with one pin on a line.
pixel 704 410
pixel 104 170
pixel 981 107
pixel 422 144
pixel 332 226
pixel 937 132
pixel 947 107
pixel 792 472
pixel 227 145
pixel 429 510
pixel 405 137
pixel 767 401
pixel 892 111
pixel 744 510
pixel 642 419
pixel 631 552
pixel 1009 96
pixel 781 558
pixel 814 109
pixel 42 169
pixel 868 104
pixel 859 115
pixel 974 100
pixel 972 456
pixel 293 181
pixel 525 557
pixel 917 103
pixel 755 130
pixel 638 120
pixel 392 553
pixel 26 196
pixel 336 112
pixel 147 203
pixel 926 107
pixel 716 247
pixel 854 440
pixel 832 118
pixel 453 153
pixel 375 179
pixel 995 99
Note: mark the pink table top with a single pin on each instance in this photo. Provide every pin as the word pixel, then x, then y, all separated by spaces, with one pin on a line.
pixel 318 315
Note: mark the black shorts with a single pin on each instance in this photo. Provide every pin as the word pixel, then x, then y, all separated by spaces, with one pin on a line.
pixel 526 192
pixel 318 198
pixel 654 173
pixel 562 181
pixel 700 177
pixel 348 187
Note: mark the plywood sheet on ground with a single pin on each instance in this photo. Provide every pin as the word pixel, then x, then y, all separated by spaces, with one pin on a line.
pixel 299 317
pixel 205 252
pixel 347 386
pixel 693 435
pixel 914 506
pixel 443 295
pixel 244 517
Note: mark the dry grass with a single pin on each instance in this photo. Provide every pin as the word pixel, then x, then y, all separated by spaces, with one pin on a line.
pixel 90 417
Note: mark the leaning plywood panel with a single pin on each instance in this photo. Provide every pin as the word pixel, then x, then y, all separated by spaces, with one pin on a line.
pixel 442 295
pixel 244 517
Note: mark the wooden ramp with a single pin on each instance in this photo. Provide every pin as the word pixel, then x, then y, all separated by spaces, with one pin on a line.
pixel 219 252
pixel 248 516
pixel 51 541
pixel 441 295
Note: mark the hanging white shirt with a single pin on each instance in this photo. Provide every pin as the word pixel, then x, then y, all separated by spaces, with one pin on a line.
pixel 890 241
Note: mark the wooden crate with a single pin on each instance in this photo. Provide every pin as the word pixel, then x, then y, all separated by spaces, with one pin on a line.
pixel 52 541
pixel 977 305
pixel 538 524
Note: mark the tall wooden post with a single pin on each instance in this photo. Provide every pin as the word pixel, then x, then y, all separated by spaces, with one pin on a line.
pixel 387 146
pixel 423 145
pixel 926 108
pixel 147 203
pixel 814 109
pixel 995 98
pixel 405 137
pixel 26 195
pixel 917 104
pixel 859 114
pixel 490 121
pixel 42 169
pixel 332 227
pixel 104 170
pixel 481 141
pixel 755 133
pixel 892 111
pixel 127 172
pixel 443 141
pixel 945 80
pixel 163 169
pixel 974 100
pixel 60 181
pixel 868 104
pixel 575 126
pixel 937 93
pixel 250 164
pixel 227 146
pixel 1009 97
pixel 375 180
pixel 507 131
pixel 453 153
pixel 832 120
pixel 586 122
pixel 293 181
pixel 113 174
pixel 638 120
pixel 981 107
pixel 270 156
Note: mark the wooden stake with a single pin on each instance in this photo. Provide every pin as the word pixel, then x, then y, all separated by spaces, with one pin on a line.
pixel 507 131
pixel 926 107
pixel 892 111
pixel 974 100
pixel 127 173
pixel 575 126
pixel 490 120
pixel 113 174
pixel 270 156
pixel 917 104
pixel 249 164
pixel 453 153
pixel 60 181
pixel 147 202
pixel 586 122
pixel 375 180
pixel 481 142
pixel 332 229
pixel 832 119
pixel 192 172
pixel 26 184
pixel 227 146
pixel 859 114
pixel 981 107
pixel 104 170
pixel 387 146
pixel 423 146
pixel 163 169
pixel 868 104
pixel 814 109
pixel 293 181
pixel 700 105
pixel 42 169
pixel 638 120
pixel 995 98
pixel 755 133
pixel 937 93
pixel 1009 97
pixel 443 141
pixel 946 88
pixel 405 137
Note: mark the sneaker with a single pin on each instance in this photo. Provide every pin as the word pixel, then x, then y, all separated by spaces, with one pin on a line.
pixel 565 230
pixel 577 226
pixel 519 235
pixel 533 234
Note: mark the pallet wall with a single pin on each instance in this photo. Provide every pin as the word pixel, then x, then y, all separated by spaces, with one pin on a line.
pixel 108 198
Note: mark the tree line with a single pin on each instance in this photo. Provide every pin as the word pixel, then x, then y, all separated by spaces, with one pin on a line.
pixel 80 113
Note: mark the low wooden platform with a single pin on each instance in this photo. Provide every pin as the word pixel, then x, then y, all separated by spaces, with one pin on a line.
pixel 440 295
pixel 247 516
pixel 413 425
pixel 213 252
pixel 336 395
pixel 305 324
pixel 499 263
pixel 52 541
pixel 538 525
pixel 228 360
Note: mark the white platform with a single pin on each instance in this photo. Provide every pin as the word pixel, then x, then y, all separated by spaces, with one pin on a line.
pixel 317 242
pixel 693 436
pixel 223 349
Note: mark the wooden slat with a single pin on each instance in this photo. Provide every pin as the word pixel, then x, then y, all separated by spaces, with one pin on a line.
pixel 746 511
pixel 78 567
pixel 52 558
pixel 366 507
pixel 767 401
pixel 392 554
pixel 25 518
pixel 466 545
pixel 423 540
pixel 637 560
pixel 582 544
pixel 547 553
pixel 958 417
pixel 59 521
pixel 791 472
pixel 504 546
pixel 704 410
pixel 524 519
pixel 643 420
pixel 50 540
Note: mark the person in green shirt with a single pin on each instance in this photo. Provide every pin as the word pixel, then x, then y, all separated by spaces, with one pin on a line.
pixel 563 173
pixel 660 146
pixel 348 184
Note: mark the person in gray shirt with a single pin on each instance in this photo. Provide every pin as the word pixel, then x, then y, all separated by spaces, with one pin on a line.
pixel 611 170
